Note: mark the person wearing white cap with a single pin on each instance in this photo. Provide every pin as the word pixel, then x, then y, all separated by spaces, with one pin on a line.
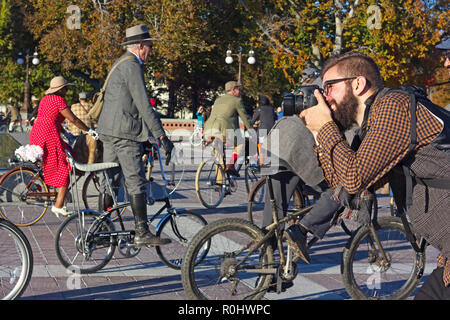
pixel 46 133
pixel 124 124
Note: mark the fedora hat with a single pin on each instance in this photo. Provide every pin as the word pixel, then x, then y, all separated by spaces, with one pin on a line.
pixel 136 34
pixel 444 45
pixel 56 84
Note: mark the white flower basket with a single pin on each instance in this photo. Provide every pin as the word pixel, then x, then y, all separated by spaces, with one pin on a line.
pixel 30 153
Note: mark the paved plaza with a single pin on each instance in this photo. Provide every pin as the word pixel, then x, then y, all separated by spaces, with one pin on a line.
pixel 145 277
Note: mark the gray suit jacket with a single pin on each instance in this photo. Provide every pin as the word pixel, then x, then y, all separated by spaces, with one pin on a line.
pixel 127 113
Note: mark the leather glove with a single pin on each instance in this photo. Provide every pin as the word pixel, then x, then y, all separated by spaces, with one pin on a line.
pixel 168 147
pixel 93 133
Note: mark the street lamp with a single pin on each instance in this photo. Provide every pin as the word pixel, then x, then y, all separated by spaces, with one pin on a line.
pixel 27 87
pixel 229 59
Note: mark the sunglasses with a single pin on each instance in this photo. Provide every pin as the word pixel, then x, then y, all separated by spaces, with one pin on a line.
pixel 327 84
pixel 446 54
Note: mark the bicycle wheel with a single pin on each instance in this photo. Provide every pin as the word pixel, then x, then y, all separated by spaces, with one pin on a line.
pixel 174 174
pixel 181 227
pixel 210 183
pixel 226 272
pixel 367 275
pixel 196 138
pixel 78 245
pixel 256 201
pixel 16 261
pixel 21 196
pixel 91 192
pixel 252 175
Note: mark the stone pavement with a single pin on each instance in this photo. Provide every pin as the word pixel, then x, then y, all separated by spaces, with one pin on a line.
pixel 145 277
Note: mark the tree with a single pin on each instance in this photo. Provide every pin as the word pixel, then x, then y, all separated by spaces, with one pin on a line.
pixel 14 39
pixel 399 35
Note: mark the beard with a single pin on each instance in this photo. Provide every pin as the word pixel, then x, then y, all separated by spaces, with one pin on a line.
pixel 345 112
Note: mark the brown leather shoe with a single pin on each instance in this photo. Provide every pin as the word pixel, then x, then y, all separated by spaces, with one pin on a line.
pixel 297 239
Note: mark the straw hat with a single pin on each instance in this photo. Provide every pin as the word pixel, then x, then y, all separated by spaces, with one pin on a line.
pixel 56 84
pixel 137 34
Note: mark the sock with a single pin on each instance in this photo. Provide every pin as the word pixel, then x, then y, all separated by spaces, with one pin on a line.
pixel 234 157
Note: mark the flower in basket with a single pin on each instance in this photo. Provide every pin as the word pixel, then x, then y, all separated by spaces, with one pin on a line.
pixel 29 152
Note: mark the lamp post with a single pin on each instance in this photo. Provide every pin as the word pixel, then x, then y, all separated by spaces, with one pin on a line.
pixel 229 59
pixel 27 87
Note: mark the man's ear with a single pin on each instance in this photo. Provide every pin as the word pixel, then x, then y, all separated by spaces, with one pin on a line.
pixel 360 85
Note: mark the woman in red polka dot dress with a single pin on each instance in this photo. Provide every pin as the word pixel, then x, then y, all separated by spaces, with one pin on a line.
pixel 46 133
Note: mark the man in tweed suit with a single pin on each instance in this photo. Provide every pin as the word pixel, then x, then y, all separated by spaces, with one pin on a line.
pixel 353 93
pixel 223 123
pixel 125 122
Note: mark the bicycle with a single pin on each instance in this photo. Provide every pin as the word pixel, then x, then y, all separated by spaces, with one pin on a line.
pixel 241 263
pixel 86 241
pixel 16 261
pixel 196 138
pixel 25 197
pixel 212 183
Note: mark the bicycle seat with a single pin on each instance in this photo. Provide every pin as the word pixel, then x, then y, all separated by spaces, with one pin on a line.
pixel 95 166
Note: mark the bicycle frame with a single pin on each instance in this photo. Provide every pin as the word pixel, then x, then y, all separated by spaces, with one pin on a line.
pixel 107 214
pixel 272 229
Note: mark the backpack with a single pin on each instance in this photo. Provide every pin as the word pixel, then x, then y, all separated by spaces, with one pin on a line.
pixel 98 98
pixel 441 142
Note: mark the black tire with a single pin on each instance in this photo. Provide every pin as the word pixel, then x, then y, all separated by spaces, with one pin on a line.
pixel 180 228
pixel 69 247
pixel 91 192
pixel 215 277
pixel 17 207
pixel 255 207
pixel 252 175
pixel 16 261
pixel 362 273
pixel 209 187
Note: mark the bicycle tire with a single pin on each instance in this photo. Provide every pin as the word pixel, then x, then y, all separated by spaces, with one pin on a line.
pixel 364 279
pixel 255 207
pixel 17 210
pixel 69 248
pixel 215 277
pixel 91 192
pixel 181 227
pixel 196 138
pixel 209 190
pixel 16 261
pixel 252 175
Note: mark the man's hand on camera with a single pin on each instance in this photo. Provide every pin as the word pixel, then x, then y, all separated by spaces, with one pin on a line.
pixel 168 147
pixel 316 117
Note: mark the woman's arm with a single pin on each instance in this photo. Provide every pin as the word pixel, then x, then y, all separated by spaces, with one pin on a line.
pixel 68 114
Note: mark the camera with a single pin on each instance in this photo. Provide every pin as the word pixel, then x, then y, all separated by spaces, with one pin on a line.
pixel 303 98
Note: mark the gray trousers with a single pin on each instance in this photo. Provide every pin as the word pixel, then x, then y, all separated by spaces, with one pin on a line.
pixel 318 220
pixel 128 154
